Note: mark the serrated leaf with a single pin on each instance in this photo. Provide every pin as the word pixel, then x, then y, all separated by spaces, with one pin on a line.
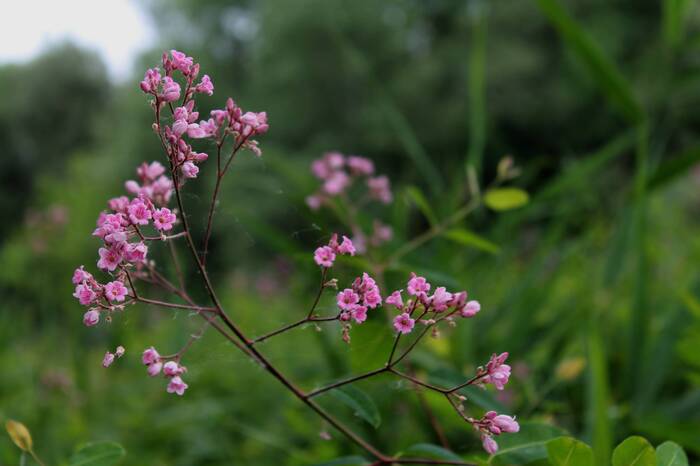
pixel 634 451
pixel 670 454
pixel 505 198
pixel 98 454
pixel 469 238
pixel 359 402
pixel 429 451
pixel 567 451
pixel 345 461
pixel 526 446
pixel 19 434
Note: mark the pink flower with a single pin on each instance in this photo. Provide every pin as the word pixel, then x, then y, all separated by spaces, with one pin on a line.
pixel 205 86
pixel 108 359
pixel 195 131
pixel 372 299
pixel 395 299
pixel 314 202
pixel 190 170
pixel 109 258
pixel 359 314
pixel 470 309
pixel 379 189
pixel 440 299
pixel 139 213
pixel 360 165
pixel 84 294
pixel 120 351
pixel 154 369
pixel 80 275
pixel 489 444
pixel 324 256
pixel 180 127
pixel 150 171
pixel 171 90
pixel 346 247
pixel 418 286
pixel 136 252
pixel 347 299
pixel 403 323
pixel 181 62
pixel 163 219
pixel 150 355
pixel 257 122
pixel 171 369
pixel 115 291
pixel 498 372
pixel 118 204
pixel 150 81
pixel 176 385
pixel 91 317
pixel 336 183
pixel 506 423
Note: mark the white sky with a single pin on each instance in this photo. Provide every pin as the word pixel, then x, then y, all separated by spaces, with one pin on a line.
pixel 117 29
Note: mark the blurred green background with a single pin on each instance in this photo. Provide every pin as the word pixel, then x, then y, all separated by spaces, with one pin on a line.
pixel 592 287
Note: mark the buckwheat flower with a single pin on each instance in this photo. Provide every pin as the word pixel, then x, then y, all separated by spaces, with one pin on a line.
pixel 346 247
pixel 459 299
pixel 418 286
pixel 150 81
pixel 108 359
pixel 118 204
pixel 154 369
pixel 498 372
pixel 109 258
pixel 150 355
pixel 395 299
pixel 489 444
pixel 205 86
pixel 139 213
pixel 506 423
pixel 85 294
pixel 381 233
pixel 120 351
pixel 195 131
pixel 379 188
pixel 190 170
pixel 256 121
pixel 171 90
pixel 179 127
pixel 136 252
pixel 115 291
pixel 347 299
pixel 372 299
pixel 440 298
pixel 80 275
pixel 360 165
pixel 335 160
pixel 336 183
pixel 314 202
pixel 320 169
pixel 171 369
pixel 324 256
pixel 359 314
pixel 150 171
pixel 163 219
pixel 470 309
pixel 176 385
pixel 181 62
pixel 403 323
pixel 91 317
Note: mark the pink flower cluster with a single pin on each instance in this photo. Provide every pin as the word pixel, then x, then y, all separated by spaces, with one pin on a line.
pixel 494 424
pixel 99 297
pixel 324 256
pixel 428 307
pixel 171 369
pixel 355 301
pixel 109 357
pixel 231 120
pixel 338 172
pixel 497 373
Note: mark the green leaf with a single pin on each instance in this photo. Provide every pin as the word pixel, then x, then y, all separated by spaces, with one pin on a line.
pixel 670 454
pixel 506 198
pixel 359 402
pixel 675 15
pixel 419 199
pixel 429 451
pixel 345 461
pixel 567 451
pixel 676 166
pixel 603 71
pixel 97 454
pixel 469 238
pixel 527 446
pixel 634 451
pixel 597 399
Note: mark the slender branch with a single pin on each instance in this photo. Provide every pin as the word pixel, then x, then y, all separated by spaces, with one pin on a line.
pixel 340 383
pixel 173 305
pixel 291 326
pixel 419 382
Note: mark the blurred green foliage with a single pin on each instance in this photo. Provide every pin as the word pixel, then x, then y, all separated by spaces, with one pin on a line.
pixel 592 286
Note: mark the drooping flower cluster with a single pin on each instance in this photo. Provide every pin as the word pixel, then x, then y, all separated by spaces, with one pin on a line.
pixel 324 256
pixel 98 297
pixel 171 369
pixel 355 301
pixel 109 357
pixel 494 424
